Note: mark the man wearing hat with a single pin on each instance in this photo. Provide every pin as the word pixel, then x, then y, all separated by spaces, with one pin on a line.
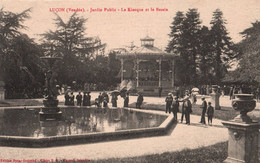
pixel 204 108
pixel 139 101
pixel 88 99
pixel 175 107
pixel 186 109
pixel 168 101
pixel 84 103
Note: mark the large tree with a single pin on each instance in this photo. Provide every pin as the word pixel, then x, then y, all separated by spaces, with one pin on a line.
pixel 185 42
pixel 70 42
pixel 205 59
pixel 222 45
pixel 191 42
pixel 175 34
pixel 249 51
pixel 20 65
pixel 175 46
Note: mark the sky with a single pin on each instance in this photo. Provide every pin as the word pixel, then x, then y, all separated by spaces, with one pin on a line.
pixel 118 28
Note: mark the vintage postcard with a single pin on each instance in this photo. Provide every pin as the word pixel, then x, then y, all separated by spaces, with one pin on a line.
pixel 129 80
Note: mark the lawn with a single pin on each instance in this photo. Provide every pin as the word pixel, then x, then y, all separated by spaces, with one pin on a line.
pixel 211 154
pixel 216 153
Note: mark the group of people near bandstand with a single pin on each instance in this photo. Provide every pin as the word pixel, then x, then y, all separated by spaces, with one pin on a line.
pixel 81 100
pixel 102 100
pixel 173 103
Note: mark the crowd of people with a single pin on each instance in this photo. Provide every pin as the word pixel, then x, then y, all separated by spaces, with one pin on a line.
pixel 102 100
pixel 172 103
pixel 81 100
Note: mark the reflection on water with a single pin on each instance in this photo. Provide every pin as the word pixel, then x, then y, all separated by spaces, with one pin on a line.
pixel 23 122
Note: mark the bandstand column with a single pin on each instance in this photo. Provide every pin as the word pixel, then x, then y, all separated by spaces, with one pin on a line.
pixel 160 72
pixel 122 69
pixel 137 72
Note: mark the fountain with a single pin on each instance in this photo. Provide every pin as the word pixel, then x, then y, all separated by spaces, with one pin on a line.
pixel 50 111
pixel 243 132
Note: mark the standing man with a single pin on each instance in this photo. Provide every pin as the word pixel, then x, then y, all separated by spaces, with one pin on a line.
pixel 175 107
pixel 186 108
pixel 79 99
pixel 114 100
pixel 67 98
pixel 140 100
pixel 105 99
pixel 168 101
pixel 210 113
pixel 126 100
pixel 71 99
pixel 100 98
pixel 204 109
pixel 84 103
pixel 88 98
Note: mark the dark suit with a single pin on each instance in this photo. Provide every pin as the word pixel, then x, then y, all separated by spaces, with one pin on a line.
pixel 79 99
pixel 204 108
pixel 88 98
pixel 126 101
pixel 175 108
pixel 139 102
pixel 186 110
pixel 168 101
pixel 84 100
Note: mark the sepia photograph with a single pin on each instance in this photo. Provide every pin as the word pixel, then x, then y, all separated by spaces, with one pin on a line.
pixel 147 81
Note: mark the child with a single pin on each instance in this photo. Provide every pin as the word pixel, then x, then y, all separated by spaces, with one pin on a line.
pixel 210 113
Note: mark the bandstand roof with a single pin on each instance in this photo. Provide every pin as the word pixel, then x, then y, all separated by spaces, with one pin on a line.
pixel 146 51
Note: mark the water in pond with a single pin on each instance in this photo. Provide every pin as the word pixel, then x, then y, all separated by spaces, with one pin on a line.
pixel 24 122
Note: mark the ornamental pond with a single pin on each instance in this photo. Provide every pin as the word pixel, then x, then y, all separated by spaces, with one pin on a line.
pixel 23 127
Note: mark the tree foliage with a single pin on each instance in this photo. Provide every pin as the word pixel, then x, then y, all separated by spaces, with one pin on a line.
pixel 222 44
pixel 184 41
pixel 204 53
pixel 20 63
pixel 69 41
pixel 205 58
pixel 249 50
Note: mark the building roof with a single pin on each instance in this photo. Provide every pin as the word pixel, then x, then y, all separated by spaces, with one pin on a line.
pixel 147 38
pixel 147 49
